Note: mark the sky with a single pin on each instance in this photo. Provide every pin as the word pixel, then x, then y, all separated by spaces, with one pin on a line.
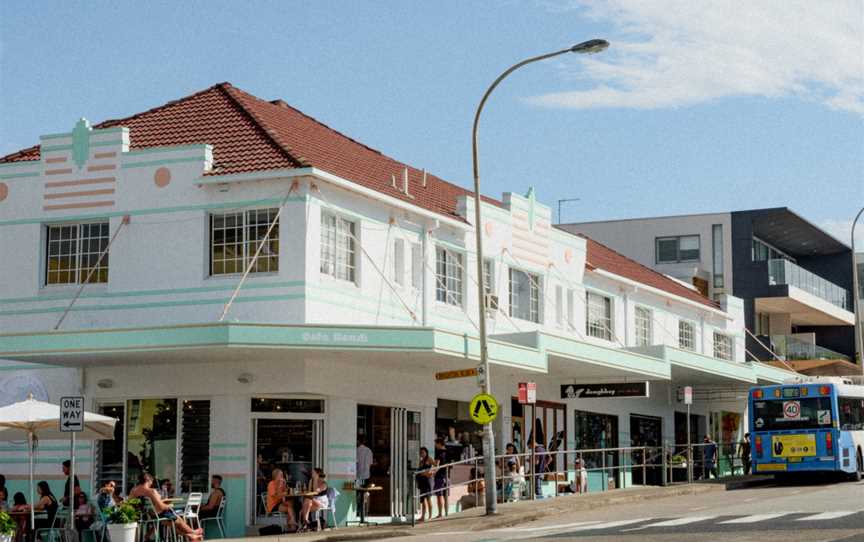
pixel 697 106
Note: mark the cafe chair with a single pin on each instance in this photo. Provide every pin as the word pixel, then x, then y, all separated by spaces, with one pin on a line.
pixel 321 513
pixel 219 518
pixel 190 511
pixel 57 531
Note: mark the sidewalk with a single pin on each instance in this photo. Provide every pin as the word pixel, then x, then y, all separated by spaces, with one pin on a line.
pixel 509 514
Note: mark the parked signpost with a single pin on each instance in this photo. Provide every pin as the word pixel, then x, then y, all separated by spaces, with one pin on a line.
pixel 688 400
pixel 72 422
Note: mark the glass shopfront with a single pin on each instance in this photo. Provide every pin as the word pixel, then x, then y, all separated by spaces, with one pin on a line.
pixel 594 431
pixel 646 431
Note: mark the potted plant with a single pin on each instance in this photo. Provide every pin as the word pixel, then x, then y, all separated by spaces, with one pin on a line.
pixel 123 521
pixel 7 527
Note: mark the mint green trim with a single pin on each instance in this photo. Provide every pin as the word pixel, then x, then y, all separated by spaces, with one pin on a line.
pixel 22 163
pixel 327 206
pixel 227 445
pixel 220 458
pixel 774 375
pixel 19 175
pixel 55 136
pixel 111 143
pixel 81 142
pixel 452 246
pixel 342 446
pixel 33 367
pixel 161 210
pixel 203 147
pixel 341 458
pixel 115 130
pixel 613 358
pixel 39 460
pixel 44 448
pixel 152 163
pixel 698 362
pixel 251 285
pixel 154 305
pixel 49 148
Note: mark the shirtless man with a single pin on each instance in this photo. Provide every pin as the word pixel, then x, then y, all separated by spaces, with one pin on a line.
pixel 144 490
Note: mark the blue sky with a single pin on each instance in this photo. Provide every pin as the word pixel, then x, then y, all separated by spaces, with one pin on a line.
pixel 696 106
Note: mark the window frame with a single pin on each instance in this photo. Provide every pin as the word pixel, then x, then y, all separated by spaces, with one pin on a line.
pixel 725 342
pixel 246 243
pixel 443 282
pixel 351 271
pixel 607 331
pixel 681 336
pixel 718 278
pixel 77 253
pixel 535 294
pixel 677 239
pixel 649 336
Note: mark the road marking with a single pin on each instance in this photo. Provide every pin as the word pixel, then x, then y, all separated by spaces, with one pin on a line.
pixel 538 528
pixel 828 515
pixel 698 508
pixel 592 527
pixel 752 519
pixel 675 522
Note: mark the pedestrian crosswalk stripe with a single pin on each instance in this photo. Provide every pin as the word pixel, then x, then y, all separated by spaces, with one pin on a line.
pixel 756 518
pixel 593 526
pixel 828 515
pixel 679 521
pixel 543 528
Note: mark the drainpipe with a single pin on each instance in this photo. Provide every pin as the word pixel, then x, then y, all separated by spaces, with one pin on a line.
pixel 426 295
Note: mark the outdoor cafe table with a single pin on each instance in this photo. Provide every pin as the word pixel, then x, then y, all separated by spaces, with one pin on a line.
pixel 364 493
pixel 22 520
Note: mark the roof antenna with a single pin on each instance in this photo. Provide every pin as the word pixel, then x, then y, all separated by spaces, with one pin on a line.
pixel 424 177
pixel 405 181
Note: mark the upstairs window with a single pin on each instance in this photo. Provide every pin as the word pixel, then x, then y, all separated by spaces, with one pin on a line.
pixel 686 335
pixel 599 316
pixel 236 237
pixel 416 266
pixel 338 252
pixel 684 248
pixel 448 276
pixel 524 295
pixel 643 326
pixel 72 252
pixel 399 262
pixel 723 348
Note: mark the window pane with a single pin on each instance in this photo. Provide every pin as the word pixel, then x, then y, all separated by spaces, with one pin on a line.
pixel 305 406
pixel 524 295
pixel 599 316
pixel 109 461
pixel 226 243
pixel 643 326
pixel 448 276
pixel 257 223
pixel 151 439
pixel 688 248
pixel 717 242
pixel 686 339
pixel 337 247
pixel 667 250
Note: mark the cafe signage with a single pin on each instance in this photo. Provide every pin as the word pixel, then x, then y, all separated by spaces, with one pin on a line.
pixel 601 391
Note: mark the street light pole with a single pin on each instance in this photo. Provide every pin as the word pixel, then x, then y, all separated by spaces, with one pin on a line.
pixel 592 46
pixel 859 338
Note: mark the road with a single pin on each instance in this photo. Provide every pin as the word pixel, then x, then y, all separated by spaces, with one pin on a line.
pixel 791 512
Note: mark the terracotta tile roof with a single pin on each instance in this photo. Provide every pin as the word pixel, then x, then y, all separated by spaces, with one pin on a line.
pixel 250 134
pixel 603 257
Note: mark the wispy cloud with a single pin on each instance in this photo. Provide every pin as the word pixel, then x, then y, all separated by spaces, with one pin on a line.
pixel 673 53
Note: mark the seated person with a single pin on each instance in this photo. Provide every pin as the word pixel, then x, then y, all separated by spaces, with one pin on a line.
pixel 107 498
pixel 210 508
pixel 144 490
pixel 19 503
pixel 277 491
pixel 83 511
pixel 4 498
pixel 47 503
pixel 318 486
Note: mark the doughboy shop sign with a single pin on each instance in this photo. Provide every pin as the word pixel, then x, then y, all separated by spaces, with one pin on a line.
pixel 600 391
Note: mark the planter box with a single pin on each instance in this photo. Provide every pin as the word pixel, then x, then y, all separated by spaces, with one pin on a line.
pixel 122 532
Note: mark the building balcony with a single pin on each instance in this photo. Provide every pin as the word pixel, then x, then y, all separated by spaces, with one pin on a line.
pixel 792 348
pixel 785 272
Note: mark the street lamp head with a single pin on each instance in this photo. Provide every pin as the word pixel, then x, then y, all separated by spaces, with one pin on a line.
pixel 590 47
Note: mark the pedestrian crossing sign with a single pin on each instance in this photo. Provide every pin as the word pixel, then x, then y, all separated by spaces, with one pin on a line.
pixel 483 408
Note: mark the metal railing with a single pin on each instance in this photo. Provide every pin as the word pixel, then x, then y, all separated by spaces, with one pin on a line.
pixel 785 272
pixel 793 348
pixel 580 471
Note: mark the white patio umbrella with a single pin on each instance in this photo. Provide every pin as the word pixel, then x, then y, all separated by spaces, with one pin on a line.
pixel 33 420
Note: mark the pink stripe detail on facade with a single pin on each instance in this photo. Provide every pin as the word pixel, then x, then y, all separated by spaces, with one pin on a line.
pixel 102 167
pixel 63 171
pixel 111 154
pixel 80 182
pixel 78 205
pixel 100 192
pixel 55 160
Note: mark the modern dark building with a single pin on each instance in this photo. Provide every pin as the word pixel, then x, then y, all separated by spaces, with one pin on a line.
pixel 795 279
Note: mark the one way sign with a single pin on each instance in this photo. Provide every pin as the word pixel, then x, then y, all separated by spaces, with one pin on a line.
pixel 71 414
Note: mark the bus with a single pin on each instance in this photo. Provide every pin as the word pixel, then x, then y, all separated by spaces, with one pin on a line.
pixel 808 424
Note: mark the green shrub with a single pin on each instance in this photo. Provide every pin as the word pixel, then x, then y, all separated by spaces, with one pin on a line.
pixel 125 512
pixel 7 524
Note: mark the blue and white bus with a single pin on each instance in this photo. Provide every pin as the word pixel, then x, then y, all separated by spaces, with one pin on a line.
pixel 809 424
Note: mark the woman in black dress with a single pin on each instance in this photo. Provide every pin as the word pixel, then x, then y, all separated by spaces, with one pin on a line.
pixel 424 483
pixel 47 503
pixel 442 482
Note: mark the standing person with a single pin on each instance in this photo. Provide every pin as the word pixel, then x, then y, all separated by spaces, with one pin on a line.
pixel 364 469
pixel 277 490
pixel 442 479
pixel 709 451
pixel 67 465
pixel 144 490
pixel 745 454
pixel 210 508
pixel 540 462
pixel 47 503
pixel 318 485
pixel 424 483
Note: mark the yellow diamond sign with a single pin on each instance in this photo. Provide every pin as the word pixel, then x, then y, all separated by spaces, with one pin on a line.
pixel 483 408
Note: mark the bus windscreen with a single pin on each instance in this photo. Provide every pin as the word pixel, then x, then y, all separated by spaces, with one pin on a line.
pixel 800 413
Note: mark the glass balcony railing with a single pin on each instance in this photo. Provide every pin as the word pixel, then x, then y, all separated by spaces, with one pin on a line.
pixel 792 348
pixel 786 272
